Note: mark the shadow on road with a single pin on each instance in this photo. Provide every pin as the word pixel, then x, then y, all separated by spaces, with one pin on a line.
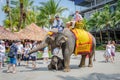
pixel 93 76
pixel 36 69
pixel 102 61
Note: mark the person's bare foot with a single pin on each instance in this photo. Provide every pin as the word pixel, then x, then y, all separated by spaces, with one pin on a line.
pixel 14 72
pixel 8 71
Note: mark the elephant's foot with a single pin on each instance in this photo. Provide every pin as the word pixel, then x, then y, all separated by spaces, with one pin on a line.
pixel 81 66
pixel 90 65
pixel 94 59
pixel 67 70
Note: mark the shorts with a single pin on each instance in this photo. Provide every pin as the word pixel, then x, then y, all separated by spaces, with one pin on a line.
pixel 2 56
pixel 26 58
pixel 12 60
pixel 33 58
pixel 113 54
pixel 19 56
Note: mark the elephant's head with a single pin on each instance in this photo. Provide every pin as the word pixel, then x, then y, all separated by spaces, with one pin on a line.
pixel 54 40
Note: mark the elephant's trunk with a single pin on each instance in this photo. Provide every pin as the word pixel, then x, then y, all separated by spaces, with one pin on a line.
pixel 42 45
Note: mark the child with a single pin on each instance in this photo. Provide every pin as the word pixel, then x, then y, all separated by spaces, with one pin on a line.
pixel 76 22
pixel 77 17
pixel 113 49
pixel 56 51
pixel 45 55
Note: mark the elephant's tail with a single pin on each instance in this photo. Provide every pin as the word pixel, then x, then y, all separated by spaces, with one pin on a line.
pixel 94 57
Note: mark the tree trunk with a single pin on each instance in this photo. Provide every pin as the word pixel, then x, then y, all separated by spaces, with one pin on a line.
pixel 101 37
pixel 115 37
pixel 8 13
pixel 108 34
pixel 21 15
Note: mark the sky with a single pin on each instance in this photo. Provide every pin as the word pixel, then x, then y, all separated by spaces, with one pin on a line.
pixel 64 3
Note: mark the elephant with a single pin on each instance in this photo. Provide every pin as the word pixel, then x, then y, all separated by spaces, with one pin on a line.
pixel 56 63
pixel 66 40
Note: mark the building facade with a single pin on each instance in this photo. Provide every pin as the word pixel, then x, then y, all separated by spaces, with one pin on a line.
pixel 97 5
pixel 93 6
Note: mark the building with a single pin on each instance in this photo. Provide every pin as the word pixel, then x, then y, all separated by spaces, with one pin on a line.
pixel 94 5
pixel 97 5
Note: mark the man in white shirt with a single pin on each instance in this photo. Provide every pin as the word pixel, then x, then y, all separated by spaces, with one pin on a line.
pixel 2 53
pixel 58 23
pixel 19 52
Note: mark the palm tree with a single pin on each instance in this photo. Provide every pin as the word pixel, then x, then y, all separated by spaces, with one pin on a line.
pixel 28 15
pixel 116 19
pixel 117 13
pixel 6 9
pixel 95 24
pixel 42 20
pixel 21 14
pixel 107 19
pixel 50 9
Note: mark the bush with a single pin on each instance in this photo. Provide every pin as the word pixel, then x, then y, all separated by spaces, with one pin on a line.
pixel 100 47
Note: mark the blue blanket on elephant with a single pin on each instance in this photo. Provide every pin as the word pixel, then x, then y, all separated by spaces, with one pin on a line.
pixel 83 41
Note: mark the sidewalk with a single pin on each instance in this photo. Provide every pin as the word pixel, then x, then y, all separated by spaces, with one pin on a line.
pixel 99 71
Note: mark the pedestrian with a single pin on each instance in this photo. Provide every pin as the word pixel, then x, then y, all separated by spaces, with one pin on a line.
pixel 107 54
pixel 2 53
pixel 45 55
pixel 20 52
pixel 113 49
pixel 13 57
pixel 34 55
pixel 26 56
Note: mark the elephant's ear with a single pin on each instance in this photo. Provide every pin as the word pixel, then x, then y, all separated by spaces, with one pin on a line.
pixel 49 39
pixel 63 39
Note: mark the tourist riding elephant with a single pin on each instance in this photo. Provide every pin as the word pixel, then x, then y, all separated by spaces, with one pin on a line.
pixel 66 40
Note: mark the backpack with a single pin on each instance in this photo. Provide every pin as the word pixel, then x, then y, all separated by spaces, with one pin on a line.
pixel 13 51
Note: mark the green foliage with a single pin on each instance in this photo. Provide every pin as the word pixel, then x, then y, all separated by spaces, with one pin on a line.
pixel 28 15
pixel 48 10
pixel 65 20
pixel 118 48
pixel 6 9
pixel 101 47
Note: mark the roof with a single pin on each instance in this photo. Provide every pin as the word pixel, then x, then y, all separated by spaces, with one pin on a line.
pixel 32 32
pixel 6 34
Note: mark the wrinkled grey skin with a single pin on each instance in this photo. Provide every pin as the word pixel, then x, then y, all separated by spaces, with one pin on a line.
pixel 56 63
pixel 66 40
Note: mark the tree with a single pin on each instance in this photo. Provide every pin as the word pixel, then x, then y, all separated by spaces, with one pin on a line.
pixel 19 18
pixel 107 19
pixel 6 9
pixel 95 23
pixel 50 9
pixel 116 19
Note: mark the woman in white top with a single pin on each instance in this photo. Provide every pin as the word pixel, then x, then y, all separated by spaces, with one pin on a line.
pixel 113 49
pixel 108 52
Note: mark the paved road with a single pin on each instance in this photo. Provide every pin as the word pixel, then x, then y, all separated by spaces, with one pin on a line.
pixel 100 71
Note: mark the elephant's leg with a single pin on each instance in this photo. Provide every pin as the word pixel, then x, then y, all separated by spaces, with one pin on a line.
pixel 67 62
pixel 90 60
pixel 82 62
pixel 50 67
